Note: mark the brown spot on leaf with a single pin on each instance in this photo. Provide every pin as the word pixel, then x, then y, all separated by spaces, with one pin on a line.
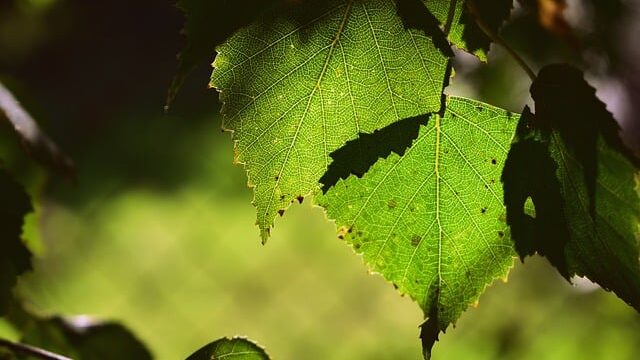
pixel 343 231
pixel 483 210
pixel 392 204
pixel 300 199
pixel 494 161
pixel 501 234
pixel 281 212
pixel 415 240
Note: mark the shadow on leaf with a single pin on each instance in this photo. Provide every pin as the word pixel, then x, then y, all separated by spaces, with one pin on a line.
pixel 357 156
pixel 530 173
pixel 415 15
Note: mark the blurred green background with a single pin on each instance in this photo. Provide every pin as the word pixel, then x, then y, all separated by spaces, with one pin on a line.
pixel 158 230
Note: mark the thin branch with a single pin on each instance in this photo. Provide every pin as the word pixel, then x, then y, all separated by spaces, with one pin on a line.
pixel 35 141
pixel 31 350
pixel 473 11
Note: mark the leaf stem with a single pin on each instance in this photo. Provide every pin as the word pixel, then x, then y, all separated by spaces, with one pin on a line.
pixel 31 350
pixel 473 11
pixel 450 15
pixel 449 69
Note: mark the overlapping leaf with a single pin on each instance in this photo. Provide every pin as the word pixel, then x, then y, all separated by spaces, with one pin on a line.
pixel 304 79
pixel 583 182
pixel 462 21
pixel 432 221
pixel 481 18
pixel 204 34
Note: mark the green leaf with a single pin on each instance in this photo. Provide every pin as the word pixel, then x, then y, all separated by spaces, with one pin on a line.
pixel 230 349
pixel 109 341
pixel 79 338
pixel 306 78
pixel 449 13
pixel 463 30
pixel 583 183
pixel 432 221
pixel 15 258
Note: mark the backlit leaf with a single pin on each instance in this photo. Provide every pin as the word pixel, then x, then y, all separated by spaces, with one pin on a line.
pixel 307 77
pixel 433 221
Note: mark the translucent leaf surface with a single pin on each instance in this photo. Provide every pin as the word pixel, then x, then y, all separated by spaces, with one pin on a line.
pixel 306 78
pixel 433 221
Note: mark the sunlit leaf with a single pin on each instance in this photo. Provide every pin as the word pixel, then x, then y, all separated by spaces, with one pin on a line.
pixel 306 78
pixel 432 221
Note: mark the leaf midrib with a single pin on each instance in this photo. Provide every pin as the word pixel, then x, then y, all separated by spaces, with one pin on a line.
pixel 306 111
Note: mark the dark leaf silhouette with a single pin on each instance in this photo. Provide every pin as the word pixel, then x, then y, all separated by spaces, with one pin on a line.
pixel 78 340
pixel 569 159
pixel 567 104
pixel 209 23
pixel 488 13
pixel 15 258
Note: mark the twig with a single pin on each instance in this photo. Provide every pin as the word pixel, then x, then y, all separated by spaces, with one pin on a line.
pixel 31 350
pixel 473 11
pixel 36 142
